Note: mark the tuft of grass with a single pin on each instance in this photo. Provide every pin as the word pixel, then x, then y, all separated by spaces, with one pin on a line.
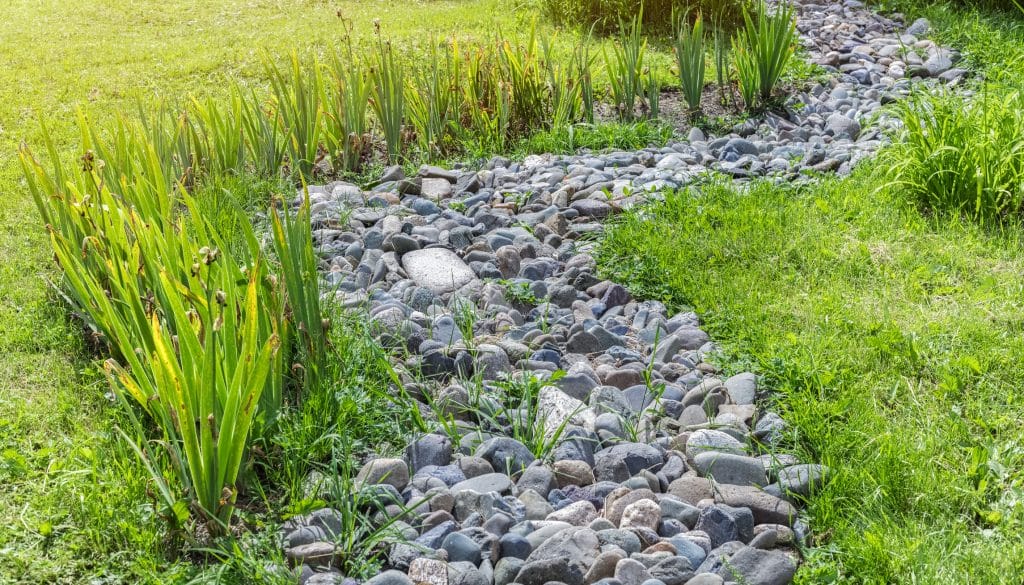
pixel 521 417
pixel 962 155
pixel 892 343
pixel 351 402
pixel 230 202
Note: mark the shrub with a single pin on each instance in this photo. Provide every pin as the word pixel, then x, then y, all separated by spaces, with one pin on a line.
pixel 962 155
pixel 606 16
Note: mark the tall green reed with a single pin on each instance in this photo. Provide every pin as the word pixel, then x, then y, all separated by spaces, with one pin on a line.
pixel 299 269
pixel 193 332
pixel 582 63
pixel 220 134
pixel 722 58
pixel 765 44
pixel 625 68
pixel 265 144
pixel 388 96
pixel 689 50
pixel 348 136
pixel 298 94
pixel 488 101
pixel 747 74
pixel 521 69
pixel 434 99
pixel 566 87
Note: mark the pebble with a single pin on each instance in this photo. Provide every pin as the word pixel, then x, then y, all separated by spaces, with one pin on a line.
pixel 655 468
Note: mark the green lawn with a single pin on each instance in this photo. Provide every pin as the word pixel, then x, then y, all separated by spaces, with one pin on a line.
pixel 71 503
pixel 894 343
pixel 895 340
pixel 891 335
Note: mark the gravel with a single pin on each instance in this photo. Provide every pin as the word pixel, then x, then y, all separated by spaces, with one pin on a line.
pixel 643 466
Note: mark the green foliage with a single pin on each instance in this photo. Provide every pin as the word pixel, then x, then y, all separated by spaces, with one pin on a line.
pixel 367 529
pixel 348 135
pixel 1001 8
pixel 720 45
pixel 78 474
pixel 964 156
pixel 298 93
pixel 519 292
pixel 746 72
pixel 194 320
pixel 689 49
pixel 388 96
pixel 264 141
pixel 350 409
pixel 762 49
pixel 434 100
pixel 582 60
pixel 196 331
pixel 621 136
pixel 608 16
pixel 521 417
pixel 465 315
pixel 488 102
pixel 349 412
pixel 626 69
pixel 520 67
pixel 569 84
pixel 890 339
pixel 299 268
pixel 652 89
pixel 230 201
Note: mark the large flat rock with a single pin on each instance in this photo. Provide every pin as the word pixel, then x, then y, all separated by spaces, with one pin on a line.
pixel 438 269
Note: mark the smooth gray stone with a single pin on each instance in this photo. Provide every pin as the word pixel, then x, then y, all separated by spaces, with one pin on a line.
pixel 438 269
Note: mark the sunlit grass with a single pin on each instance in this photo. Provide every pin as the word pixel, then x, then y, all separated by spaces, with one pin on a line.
pixel 893 344
pixel 67 517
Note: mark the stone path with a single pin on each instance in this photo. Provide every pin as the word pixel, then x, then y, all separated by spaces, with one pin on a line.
pixel 653 468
